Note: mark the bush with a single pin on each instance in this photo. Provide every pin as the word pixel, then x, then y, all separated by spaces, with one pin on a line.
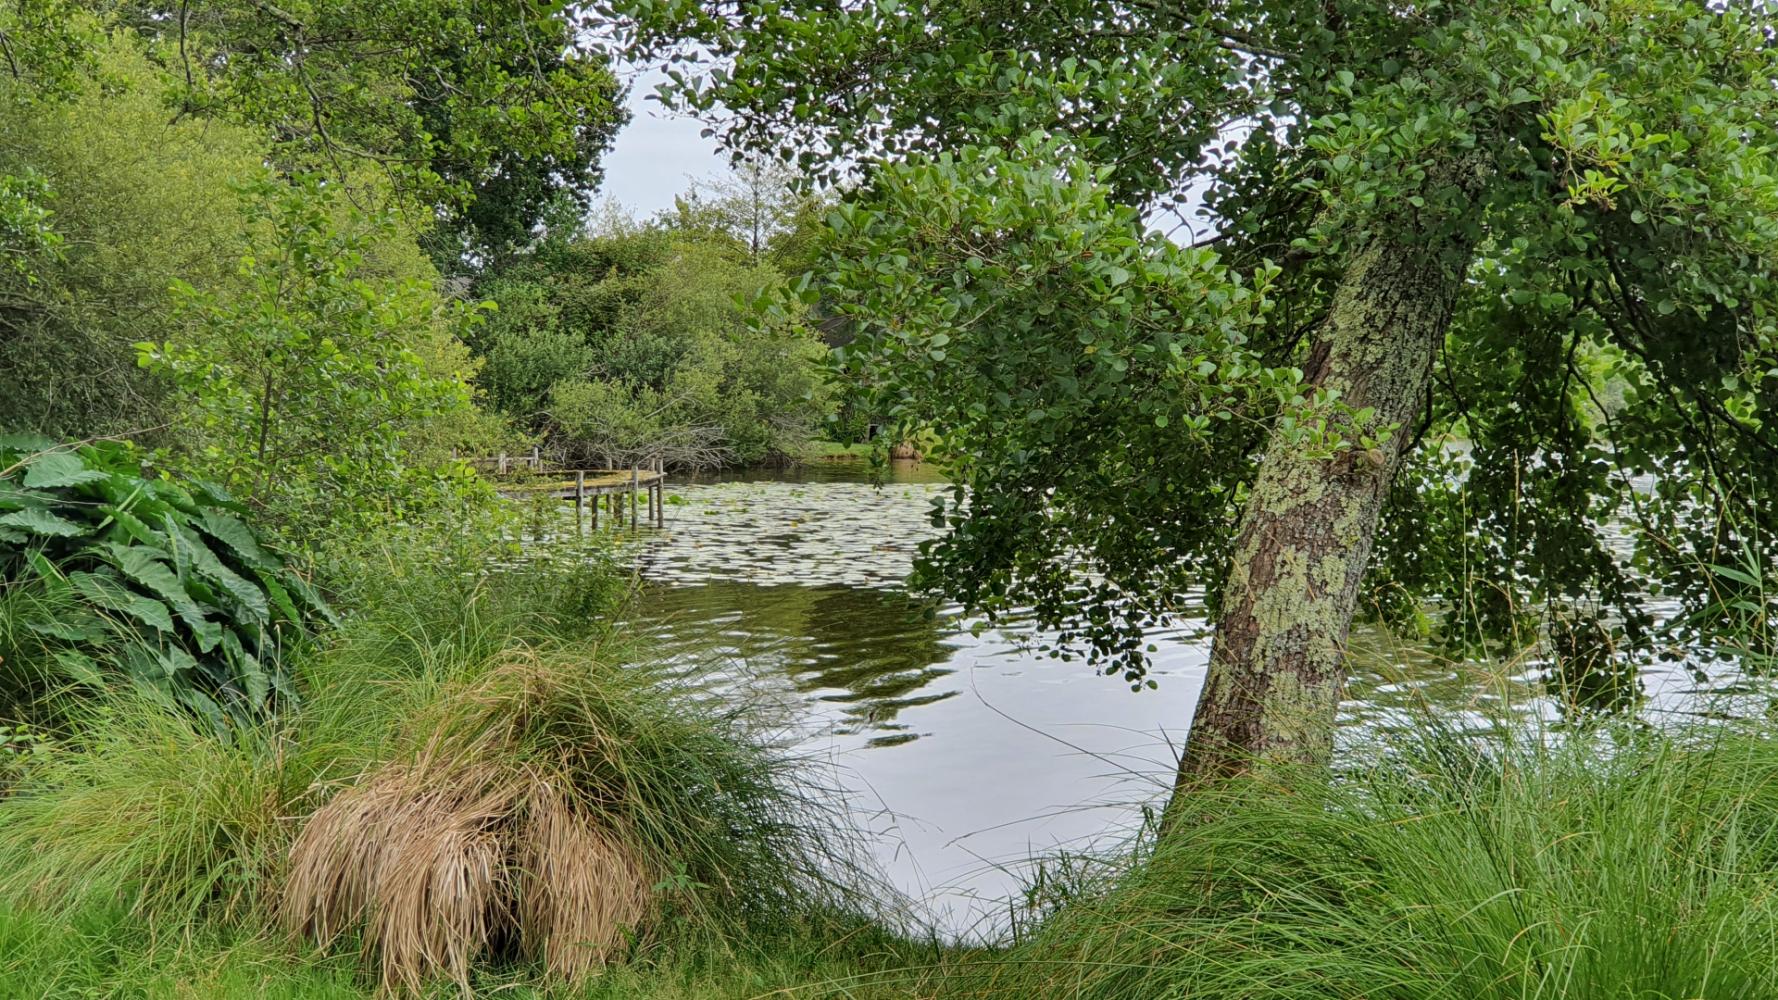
pixel 120 576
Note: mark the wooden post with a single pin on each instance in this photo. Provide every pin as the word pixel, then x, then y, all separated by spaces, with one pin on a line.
pixel 660 493
pixel 536 460
pixel 635 479
pixel 580 499
pixel 501 470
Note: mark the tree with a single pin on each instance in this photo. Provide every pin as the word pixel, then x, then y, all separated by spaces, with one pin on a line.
pixel 482 111
pixel 124 205
pixel 1424 218
pixel 761 204
pixel 632 342
pixel 309 386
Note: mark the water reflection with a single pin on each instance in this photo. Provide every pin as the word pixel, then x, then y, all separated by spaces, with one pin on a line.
pixel 872 653
pixel 968 750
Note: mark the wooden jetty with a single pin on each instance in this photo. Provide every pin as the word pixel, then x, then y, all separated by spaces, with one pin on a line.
pixel 586 487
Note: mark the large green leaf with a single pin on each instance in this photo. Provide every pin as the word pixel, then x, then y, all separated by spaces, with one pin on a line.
pixel 239 538
pixel 60 468
pixel 146 567
pixel 190 546
pixel 16 499
pixel 23 442
pixel 137 529
pixel 110 593
pixel 71 626
pixel 79 668
pixel 42 522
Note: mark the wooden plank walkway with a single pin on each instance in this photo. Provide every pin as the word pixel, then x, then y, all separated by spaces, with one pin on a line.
pixel 586 487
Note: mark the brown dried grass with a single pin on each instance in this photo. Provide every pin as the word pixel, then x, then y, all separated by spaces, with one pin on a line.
pixel 469 849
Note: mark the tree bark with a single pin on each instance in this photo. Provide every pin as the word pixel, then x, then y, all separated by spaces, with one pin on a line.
pixel 1277 662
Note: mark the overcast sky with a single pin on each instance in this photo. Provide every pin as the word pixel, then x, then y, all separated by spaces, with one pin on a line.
pixel 657 154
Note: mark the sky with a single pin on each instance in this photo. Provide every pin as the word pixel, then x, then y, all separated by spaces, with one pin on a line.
pixel 657 155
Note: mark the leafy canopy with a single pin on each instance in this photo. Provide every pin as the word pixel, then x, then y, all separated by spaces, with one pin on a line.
pixel 1615 328
pixel 308 390
pixel 487 111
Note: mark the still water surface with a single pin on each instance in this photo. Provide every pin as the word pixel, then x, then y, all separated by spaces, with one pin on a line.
pixel 966 751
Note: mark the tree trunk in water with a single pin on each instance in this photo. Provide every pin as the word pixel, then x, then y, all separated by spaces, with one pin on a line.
pixel 1277 663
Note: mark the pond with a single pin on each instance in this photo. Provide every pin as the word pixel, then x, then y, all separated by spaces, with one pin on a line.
pixel 967 751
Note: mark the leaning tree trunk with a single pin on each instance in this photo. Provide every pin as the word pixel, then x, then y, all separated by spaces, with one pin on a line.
pixel 1277 662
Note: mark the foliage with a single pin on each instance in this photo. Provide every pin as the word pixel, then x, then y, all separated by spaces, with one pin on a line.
pixel 149 582
pixel 307 389
pixel 26 237
pixel 144 810
pixel 117 205
pixel 636 343
pixel 1606 166
pixel 487 110
pixel 1473 868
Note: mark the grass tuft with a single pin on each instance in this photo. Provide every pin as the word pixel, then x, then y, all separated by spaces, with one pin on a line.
pixel 1638 866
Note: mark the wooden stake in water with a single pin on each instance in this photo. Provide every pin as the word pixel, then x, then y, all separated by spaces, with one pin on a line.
pixel 635 479
pixel 580 500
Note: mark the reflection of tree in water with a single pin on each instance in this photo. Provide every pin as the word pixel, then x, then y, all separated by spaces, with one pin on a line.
pixel 872 653
pixel 1589 674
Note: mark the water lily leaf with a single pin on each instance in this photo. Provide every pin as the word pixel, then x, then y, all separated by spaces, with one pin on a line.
pixel 41 522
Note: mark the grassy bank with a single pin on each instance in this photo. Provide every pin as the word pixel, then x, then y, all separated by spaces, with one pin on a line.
pixel 1632 865
pixel 471 793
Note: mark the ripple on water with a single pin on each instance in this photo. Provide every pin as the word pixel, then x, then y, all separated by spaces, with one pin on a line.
pixel 967 750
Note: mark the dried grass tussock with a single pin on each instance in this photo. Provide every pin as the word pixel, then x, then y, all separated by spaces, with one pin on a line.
pixel 482 842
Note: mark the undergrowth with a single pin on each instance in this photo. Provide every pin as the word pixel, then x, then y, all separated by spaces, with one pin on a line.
pixel 143 841
pixel 1611 865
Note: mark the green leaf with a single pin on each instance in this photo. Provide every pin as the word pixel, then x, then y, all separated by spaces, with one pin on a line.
pixel 79 668
pixel 204 562
pixel 133 526
pixel 108 593
pixel 239 538
pixel 41 522
pixel 145 567
pixel 57 469
pixel 71 626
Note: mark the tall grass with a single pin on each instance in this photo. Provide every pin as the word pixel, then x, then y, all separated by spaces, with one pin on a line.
pixel 1640 866
pixel 188 834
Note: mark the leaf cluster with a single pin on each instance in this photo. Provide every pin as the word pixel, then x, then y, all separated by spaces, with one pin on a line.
pixel 166 588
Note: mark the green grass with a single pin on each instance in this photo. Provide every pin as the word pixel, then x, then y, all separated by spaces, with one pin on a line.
pixel 1640 868
pixel 143 856
pixel 106 955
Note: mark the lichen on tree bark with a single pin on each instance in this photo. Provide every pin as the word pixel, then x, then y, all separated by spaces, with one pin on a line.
pixel 1277 661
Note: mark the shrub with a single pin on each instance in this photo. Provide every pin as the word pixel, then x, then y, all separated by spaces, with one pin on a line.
pixel 143 579
pixel 563 808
